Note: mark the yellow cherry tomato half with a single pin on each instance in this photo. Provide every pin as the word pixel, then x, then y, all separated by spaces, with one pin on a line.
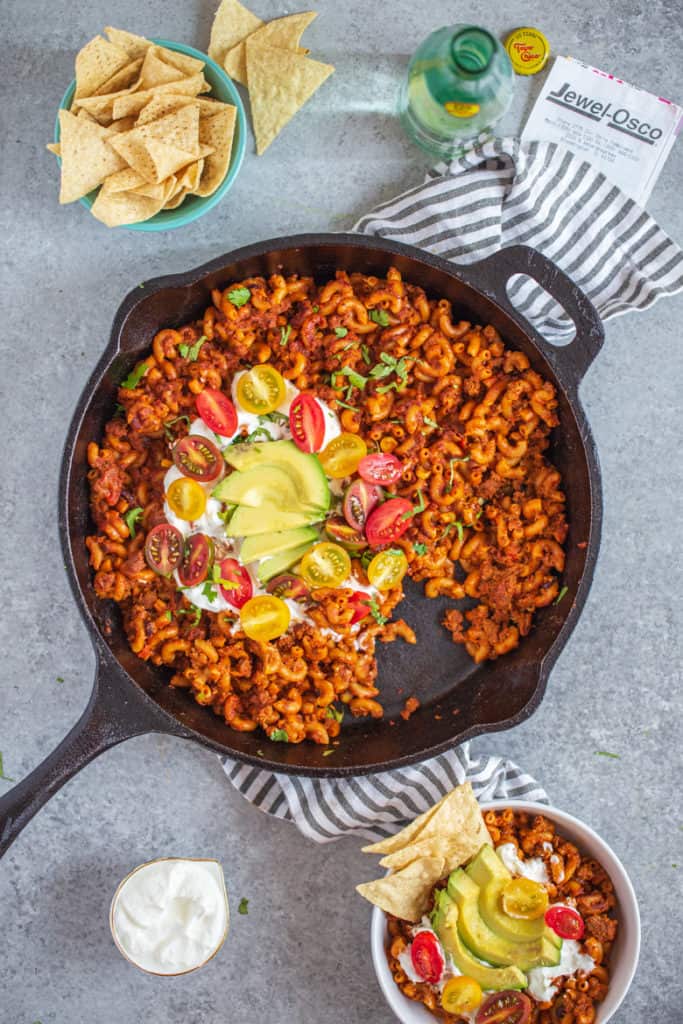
pixel 265 617
pixel 524 898
pixel 325 565
pixel 186 499
pixel 341 456
pixel 461 995
pixel 387 569
pixel 261 389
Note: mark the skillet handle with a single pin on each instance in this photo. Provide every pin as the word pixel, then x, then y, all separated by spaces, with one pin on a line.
pixel 576 357
pixel 108 719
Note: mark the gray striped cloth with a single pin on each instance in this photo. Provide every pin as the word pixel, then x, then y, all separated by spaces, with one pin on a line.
pixel 499 193
pixel 374 806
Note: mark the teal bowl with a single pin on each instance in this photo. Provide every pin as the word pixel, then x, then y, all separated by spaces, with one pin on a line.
pixel 192 207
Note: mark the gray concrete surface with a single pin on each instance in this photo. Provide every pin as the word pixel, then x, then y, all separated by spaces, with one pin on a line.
pixel 301 954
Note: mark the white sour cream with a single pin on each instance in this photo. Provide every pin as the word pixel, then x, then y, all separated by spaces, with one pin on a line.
pixel 170 916
pixel 533 868
pixel 572 960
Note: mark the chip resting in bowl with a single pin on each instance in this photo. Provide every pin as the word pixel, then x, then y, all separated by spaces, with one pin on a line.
pixel 141 130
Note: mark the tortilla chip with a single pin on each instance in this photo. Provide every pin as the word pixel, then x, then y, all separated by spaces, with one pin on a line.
pixel 456 814
pixel 98 61
pixel 283 32
pixel 150 157
pixel 455 850
pixel 182 61
pixel 102 108
pixel 123 81
pixel 163 190
pixel 87 157
pixel 117 208
pixel 162 104
pixel 125 180
pixel 156 71
pixel 130 104
pixel 231 24
pixel 217 131
pixel 135 46
pixel 405 893
pixel 179 128
pixel 280 83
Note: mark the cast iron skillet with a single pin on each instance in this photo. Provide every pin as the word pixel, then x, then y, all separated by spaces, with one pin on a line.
pixel 458 699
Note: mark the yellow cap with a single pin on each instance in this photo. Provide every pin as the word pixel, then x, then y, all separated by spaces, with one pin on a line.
pixel 528 50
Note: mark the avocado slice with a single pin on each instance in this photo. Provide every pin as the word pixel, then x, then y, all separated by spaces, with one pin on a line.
pixel 245 521
pixel 445 923
pixel 272 567
pixel 271 485
pixel 305 470
pixel 484 942
pixel 266 545
pixel 490 874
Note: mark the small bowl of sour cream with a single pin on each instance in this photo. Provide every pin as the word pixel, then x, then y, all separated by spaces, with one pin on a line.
pixel 171 916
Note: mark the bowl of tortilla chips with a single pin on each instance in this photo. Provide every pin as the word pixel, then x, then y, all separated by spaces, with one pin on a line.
pixel 150 134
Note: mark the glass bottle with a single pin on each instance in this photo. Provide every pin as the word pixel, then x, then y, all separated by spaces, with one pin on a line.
pixel 459 84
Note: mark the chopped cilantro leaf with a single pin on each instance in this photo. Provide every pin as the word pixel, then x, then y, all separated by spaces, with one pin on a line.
pixel 60 679
pixel 2 772
pixel 273 417
pixel 430 422
pixel 341 332
pixel 243 907
pixel 416 509
pixel 379 316
pixel 134 377
pixel 335 713
pixel 259 432
pixel 130 518
pixel 460 527
pixel 119 410
pixel 168 615
pixel 284 334
pixel 209 591
pixel 279 736
pixel 365 352
pixel 169 423
pixel 315 308
pixel 420 548
pixel 197 612
pixel 330 750
pixel 356 380
pixel 191 352
pixel 606 753
pixel 375 612
pixel 560 595
pixel 239 296
pixel 345 405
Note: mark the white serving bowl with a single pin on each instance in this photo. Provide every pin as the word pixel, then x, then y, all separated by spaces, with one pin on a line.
pixel 626 948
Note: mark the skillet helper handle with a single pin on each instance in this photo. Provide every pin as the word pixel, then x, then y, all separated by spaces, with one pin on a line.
pixel 578 355
pixel 98 729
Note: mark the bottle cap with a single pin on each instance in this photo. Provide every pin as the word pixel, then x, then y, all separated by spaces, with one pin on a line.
pixel 528 50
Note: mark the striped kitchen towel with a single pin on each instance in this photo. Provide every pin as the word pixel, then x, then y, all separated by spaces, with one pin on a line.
pixel 374 806
pixel 500 192
pixel 503 192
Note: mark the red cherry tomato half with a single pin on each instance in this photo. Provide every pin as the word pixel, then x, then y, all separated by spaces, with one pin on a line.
pixel 217 411
pixel 359 602
pixel 380 469
pixel 565 922
pixel 288 586
pixel 197 557
pixel 388 522
pixel 307 423
pixel 164 548
pixel 242 589
pixel 197 457
pixel 359 501
pixel 338 530
pixel 507 1007
pixel 427 957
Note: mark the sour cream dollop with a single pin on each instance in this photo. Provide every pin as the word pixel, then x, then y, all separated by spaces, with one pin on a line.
pixel 171 916
pixel 533 868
